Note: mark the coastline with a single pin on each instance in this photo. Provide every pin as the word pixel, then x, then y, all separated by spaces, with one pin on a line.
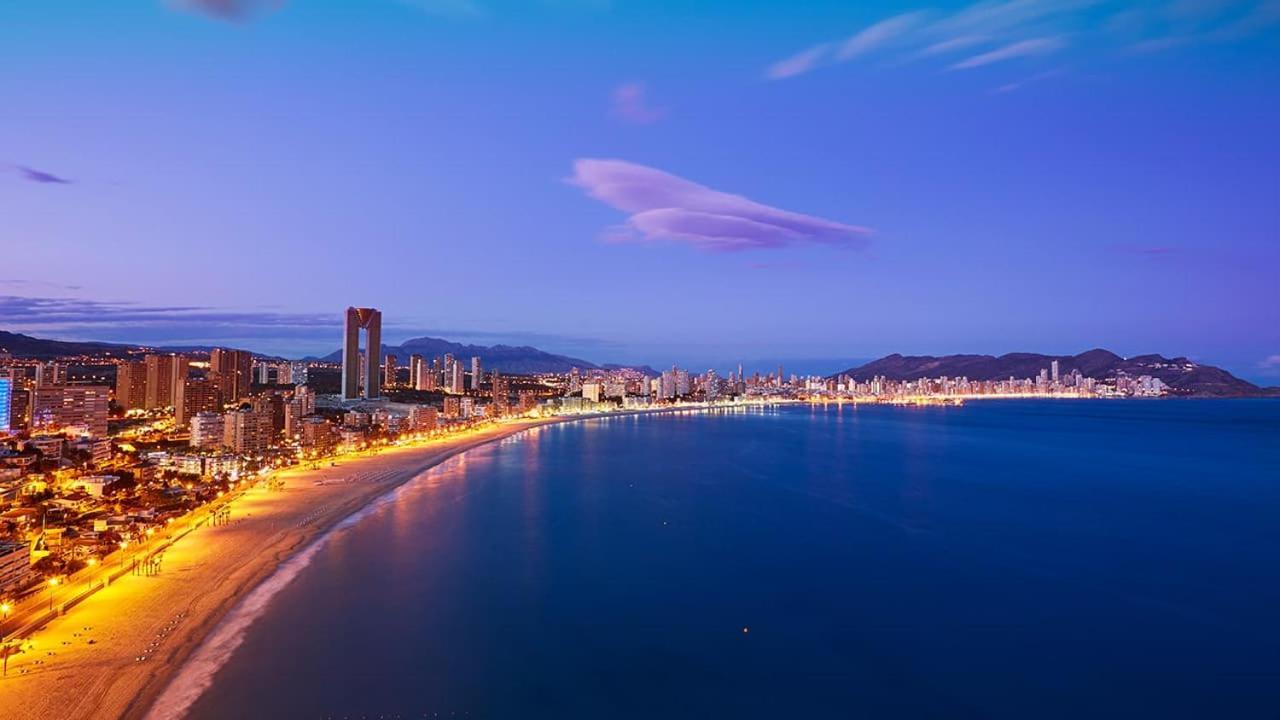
pixel 90 664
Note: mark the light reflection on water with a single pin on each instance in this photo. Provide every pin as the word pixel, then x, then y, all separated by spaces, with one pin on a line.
pixel 1003 559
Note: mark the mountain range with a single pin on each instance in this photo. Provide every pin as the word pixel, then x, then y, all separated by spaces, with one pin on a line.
pixel 514 359
pixel 1184 376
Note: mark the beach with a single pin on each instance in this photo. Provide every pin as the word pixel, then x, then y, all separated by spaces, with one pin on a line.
pixel 114 653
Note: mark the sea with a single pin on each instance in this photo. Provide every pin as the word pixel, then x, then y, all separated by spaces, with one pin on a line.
pixel 1003 559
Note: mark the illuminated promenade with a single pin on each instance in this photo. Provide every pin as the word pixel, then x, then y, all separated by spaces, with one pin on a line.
pixel 111 655
pixel 85 664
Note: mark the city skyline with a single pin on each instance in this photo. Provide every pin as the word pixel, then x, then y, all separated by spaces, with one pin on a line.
pixel 722 184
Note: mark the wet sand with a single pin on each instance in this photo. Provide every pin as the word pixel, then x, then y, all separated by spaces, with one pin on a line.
pixel 164 618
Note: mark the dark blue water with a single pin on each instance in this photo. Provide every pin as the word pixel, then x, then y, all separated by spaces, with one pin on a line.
pixel 1016 559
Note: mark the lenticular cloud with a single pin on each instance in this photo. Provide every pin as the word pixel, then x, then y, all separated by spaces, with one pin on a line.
pixel 666 207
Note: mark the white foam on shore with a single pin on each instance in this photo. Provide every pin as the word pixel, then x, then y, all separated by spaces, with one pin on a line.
pixel 196 675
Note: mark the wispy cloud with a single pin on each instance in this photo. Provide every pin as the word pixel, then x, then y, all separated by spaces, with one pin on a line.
pixel 954 44
pixel 878 34
pixel 1270 365
pixel 230 10
pixel 1019 84
pixel 264 330
pixel 798 64
pixel 997 31
pixel 40 176
pixel 667 207
pixel 69 313
pixel 631 103
pixel 1020 49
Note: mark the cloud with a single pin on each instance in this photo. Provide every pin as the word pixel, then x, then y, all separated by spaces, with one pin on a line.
pixel 1019 84
pixel 1020 49
pixel 1270 363
pixel 265 330
pixel 230 10
pixel 798 64
pixel 955 44
pixel 666 207
pixel 631 103
pixel 71 313
pixel 39 176
pixel 877 35
pixel 1000 30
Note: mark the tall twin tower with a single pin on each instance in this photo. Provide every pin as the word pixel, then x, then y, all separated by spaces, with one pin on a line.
pixel 369 320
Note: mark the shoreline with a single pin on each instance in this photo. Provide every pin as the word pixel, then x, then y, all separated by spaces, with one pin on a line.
pixel 144 705
pixel 94 661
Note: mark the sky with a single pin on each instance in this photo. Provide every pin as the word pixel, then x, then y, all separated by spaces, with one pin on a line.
pixel 629 181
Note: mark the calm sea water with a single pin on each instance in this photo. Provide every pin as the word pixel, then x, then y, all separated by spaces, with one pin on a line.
pixel 1016 559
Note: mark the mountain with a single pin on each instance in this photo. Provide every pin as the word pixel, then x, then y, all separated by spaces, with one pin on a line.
pixel 25 346
pixel 1184 376
pixel 517 360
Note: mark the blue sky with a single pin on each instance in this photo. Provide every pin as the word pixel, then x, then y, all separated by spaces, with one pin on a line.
pixel 625 181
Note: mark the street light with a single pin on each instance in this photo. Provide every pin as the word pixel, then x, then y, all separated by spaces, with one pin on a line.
pixel 123 545
pixel 5 609
pixel 53 583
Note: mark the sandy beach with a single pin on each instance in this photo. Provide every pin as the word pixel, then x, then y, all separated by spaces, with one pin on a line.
pixel 113 654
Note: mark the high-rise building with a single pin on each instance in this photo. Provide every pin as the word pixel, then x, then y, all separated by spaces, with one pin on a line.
pixel 457 384
pixel 51 373
pixel 6 403
pixel 207 429
pixel 476 374
pixel 302 404
pixel 165 376
pixel 1053 371
pixel 233 371
pixel 80 408
pixel 298 373
pixel 19 416
pixel 667 385
pixel 199 395
pixel 389 372
pixel 501 394
pixel 247 431
pixel 682 382
pixel 422 418
pixel 369 320
pixel 416 366
pixel 131 385
pixel 575 380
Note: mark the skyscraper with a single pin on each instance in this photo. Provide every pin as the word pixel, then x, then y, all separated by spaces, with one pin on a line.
pixel 369 320
pixel 389 372
pixel 199 395
pixel 131 385
pixel 233 371
pixel 476 374
pixel 416 369
pixel 501 394
pixel 165 376
pixel 6 394
pixel 456 385
pixel 71 407
pixel 1054 371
